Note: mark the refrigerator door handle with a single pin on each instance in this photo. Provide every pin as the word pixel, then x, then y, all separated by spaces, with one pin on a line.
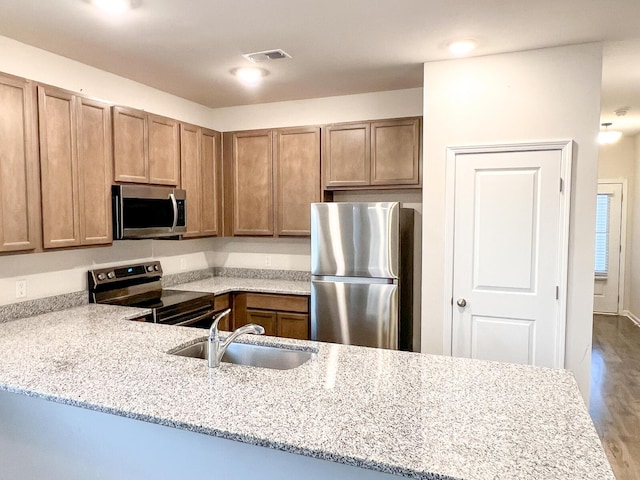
pixel 331 278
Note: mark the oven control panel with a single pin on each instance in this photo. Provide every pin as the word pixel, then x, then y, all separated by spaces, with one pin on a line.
pixel 103 276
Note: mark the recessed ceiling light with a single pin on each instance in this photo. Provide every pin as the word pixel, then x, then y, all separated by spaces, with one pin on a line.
pixel 607 136
pixel 250 76
pixel 462 47
pixel 113 6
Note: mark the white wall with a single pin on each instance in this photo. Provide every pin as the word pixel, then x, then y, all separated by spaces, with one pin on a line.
pixel 617 161
pixel 53 273
pixel 35 64
pixel 526 96
pixel 317 111
pixel 634 251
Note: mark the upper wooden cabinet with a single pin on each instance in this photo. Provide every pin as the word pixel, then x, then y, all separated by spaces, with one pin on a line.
pixel 347 152
pixel 275 176
pixel 250 179
pixel 146 148
pixel 75 163
pixel 378 154
pixel 19 192
pixel 201 178
pixel 95 171
pixel 297 161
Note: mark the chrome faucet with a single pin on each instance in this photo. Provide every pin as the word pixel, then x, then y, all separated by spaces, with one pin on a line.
pixel 216 348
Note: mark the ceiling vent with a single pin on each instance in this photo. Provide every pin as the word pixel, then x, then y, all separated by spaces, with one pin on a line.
pixel 267 55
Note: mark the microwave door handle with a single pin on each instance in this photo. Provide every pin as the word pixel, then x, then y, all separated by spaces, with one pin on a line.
pixel 175 211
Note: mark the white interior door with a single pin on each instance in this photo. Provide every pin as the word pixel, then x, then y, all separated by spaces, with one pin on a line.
pixel 508 240
pixel 608 238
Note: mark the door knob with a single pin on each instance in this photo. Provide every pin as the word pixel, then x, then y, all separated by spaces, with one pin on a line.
pixel 462 302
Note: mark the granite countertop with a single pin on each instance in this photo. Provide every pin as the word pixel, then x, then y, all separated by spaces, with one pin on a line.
pixel 220 285
pixel 415 415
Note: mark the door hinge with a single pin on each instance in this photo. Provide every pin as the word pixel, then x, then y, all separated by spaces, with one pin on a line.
pixel 561 185
pixel 557 293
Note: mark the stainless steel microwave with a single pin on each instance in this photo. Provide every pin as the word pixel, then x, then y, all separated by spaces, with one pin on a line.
pixel 142 211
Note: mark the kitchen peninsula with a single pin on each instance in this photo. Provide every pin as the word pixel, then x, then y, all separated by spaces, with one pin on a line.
pixel 348 412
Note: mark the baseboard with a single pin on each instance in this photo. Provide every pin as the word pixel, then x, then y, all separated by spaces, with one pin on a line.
pixel 635 319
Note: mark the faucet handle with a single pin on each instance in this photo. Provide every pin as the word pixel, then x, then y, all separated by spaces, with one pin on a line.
pixel 257 329
pixel 216 320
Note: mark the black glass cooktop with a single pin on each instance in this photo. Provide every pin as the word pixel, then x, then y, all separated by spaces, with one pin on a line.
pixel 170 298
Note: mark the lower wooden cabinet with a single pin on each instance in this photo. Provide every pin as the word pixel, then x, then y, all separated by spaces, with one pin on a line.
pixel 221 303
pixel 265 318
pixel 280 315
pixel 293 325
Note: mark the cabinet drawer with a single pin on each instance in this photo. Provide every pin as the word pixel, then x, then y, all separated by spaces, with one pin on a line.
pixel 285 303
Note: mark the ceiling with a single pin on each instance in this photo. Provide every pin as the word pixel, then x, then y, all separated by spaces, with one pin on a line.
pixel 338 46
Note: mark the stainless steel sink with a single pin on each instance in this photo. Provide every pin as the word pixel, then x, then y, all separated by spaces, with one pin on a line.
pixel 263 356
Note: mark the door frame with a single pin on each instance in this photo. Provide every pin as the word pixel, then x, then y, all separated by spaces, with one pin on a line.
pixel 623 242
pixel 565 147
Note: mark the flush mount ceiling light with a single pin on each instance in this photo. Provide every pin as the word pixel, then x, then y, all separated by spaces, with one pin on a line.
pixel 461 48
pixel 113 6
pixel 607 136
pixel 250 76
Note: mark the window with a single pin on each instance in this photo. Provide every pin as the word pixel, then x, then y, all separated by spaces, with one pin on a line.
pixel 602 234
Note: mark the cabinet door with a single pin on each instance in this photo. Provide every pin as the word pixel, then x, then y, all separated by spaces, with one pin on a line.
pixel 58 168
pixel 347 155
pixel 221 303
pixel 297 179
pixel 94 171
pixel 130 146
pixel 252 167
pixel 192 177
pixel 164 150
pixel 263 317
pixel 19 190
pixel 293 325
pixel 395 152
pixel 210 154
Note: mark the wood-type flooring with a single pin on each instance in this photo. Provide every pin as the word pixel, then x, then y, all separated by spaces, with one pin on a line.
pixel 615 392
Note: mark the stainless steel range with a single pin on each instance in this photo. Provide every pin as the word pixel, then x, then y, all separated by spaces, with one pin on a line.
pixel 140 285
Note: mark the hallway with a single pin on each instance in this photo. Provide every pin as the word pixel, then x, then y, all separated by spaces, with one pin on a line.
pixel 615 392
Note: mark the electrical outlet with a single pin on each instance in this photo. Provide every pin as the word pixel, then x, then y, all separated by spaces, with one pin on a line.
pixel 21 288
pixel 267 260
pixel 183 264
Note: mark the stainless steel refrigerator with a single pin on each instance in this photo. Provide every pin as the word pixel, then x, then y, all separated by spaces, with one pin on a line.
pixel 361 274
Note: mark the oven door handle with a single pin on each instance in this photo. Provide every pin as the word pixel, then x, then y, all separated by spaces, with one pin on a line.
pixel 208 313
pixel 174 202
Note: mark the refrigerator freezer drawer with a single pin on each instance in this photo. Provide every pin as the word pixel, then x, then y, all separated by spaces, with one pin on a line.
pixel 353 313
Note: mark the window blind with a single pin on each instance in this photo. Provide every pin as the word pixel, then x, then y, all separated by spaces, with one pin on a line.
pixel 602 234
